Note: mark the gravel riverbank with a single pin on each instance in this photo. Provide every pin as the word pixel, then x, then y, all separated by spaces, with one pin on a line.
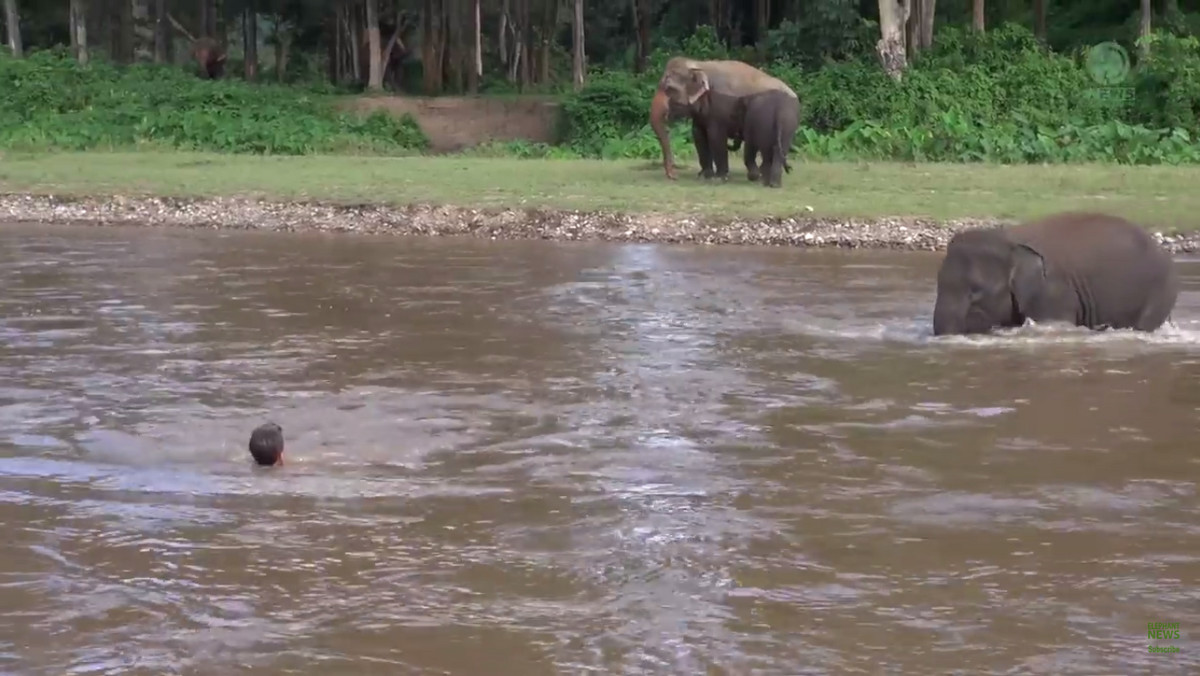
pixel 532 223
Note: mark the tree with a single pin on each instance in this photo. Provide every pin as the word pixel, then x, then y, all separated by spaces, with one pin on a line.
pixel 1144 28
pixel 250 39
pixel 577 53
pixel 375 66
pixel 920 26
pixel 78 29
pixel 477 60
pixel 893 15
pixel 12 19
pixel 1039 19
pixel 977 18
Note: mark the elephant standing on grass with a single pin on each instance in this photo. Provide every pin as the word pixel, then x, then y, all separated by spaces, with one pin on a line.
pixel 709 92
pixel 768 123
pixel 1085 269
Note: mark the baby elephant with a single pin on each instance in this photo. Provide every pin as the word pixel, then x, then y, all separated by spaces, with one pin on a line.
pixel 767 123
pixel 1085 269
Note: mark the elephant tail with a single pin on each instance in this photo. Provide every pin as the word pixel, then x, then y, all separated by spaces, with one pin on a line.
pixel 780 148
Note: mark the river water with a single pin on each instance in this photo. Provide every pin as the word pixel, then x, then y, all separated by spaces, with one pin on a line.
pixel 537 458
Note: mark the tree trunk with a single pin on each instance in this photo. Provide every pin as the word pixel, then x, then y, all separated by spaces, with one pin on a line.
pixel 925 32
pixel 161 30
pixel 526 46
pixel 893 15
pixel 477 49
pixel 1039 19
pixel 202 19
pixel 250 39
pixel 375 66
pixel 1144 29
pixel 78 21
pixel 548 29
pixel 977 15
pixel 762 20
pixel 577 53
pixel 12 19
pixel 502 38
pixel 125 31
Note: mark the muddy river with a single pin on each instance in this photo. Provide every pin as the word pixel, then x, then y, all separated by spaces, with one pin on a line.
pixel 535 458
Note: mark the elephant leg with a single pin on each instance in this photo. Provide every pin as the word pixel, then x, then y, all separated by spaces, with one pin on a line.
pixel 717 145
pixel 751 161
pixel 769 160
pixel 700 139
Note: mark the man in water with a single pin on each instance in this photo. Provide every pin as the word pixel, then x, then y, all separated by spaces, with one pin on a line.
pixel 266 444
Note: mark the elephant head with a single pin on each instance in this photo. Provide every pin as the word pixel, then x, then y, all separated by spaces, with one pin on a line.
pixel 684 81
pixel 984 282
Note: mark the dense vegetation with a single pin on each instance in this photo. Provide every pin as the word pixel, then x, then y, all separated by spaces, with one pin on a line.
pixel 1015 92
pixel 50 101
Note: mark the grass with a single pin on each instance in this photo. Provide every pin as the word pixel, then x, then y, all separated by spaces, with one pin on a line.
pixel 1160 196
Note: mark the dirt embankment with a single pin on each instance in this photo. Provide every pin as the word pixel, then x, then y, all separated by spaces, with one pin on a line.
pixel 534 223
pixel 454 123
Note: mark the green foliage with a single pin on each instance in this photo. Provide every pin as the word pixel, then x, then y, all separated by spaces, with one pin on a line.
pixel 996 97
pixel 51 102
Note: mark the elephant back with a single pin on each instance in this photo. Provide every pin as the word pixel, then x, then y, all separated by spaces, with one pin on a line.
pixel 738 78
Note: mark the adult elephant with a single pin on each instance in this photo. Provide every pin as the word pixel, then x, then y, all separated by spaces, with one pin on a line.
pixel 767 123
pixel 708 91
pixel 1085 269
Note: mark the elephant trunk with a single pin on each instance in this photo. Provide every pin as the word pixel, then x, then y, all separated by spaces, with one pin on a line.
pixel 659 112
pixel 947 317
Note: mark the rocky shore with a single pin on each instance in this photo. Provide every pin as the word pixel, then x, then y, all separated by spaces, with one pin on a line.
pixel 532 223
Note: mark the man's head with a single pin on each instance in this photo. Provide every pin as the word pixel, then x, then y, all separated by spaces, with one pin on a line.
pixel 266 444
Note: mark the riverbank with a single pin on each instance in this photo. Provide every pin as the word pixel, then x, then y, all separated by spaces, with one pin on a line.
pixel 821 204
pixel 499 223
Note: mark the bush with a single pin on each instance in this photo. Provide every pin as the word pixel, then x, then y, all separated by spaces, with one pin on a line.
pixel 50 101
pixel 997 97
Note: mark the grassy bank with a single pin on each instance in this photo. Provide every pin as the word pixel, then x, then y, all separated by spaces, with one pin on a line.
pixel 1162 196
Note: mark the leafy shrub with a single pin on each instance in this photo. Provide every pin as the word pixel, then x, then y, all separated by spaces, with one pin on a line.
pixel 1000 96
pixel 50 101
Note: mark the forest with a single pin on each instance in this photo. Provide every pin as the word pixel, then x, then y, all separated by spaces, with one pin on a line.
pixel 910 80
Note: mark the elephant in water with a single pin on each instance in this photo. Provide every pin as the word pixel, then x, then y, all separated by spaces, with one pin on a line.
pixel 709 92
pixel 1085 269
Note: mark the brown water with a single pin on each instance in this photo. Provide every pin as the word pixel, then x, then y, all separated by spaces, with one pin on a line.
pixel 534 458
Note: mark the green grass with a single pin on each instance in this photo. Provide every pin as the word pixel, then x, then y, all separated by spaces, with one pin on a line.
pixel 1160 196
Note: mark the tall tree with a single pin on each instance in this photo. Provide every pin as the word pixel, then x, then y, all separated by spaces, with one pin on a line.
pixel 977 17
pixel 1039 19
pixel 374 65
pixel 78 29
pixel 1144 28
pixel 12 19
pixel 920 26
pixel 162 33
pixel 477 49
pixel 893 15
pixel 577 51
pixel 250 38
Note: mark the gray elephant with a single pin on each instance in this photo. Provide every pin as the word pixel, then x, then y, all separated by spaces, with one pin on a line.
pixel 1085 269
pixel 709 92
pixel 767 124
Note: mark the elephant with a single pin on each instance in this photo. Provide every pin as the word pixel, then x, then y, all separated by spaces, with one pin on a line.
pixel 1082 268
pixel 767 123
pixel 709 92
pixel 663 112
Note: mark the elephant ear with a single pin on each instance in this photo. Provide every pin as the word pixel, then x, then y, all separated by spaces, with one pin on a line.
pixel 1026 278
pixel 698 86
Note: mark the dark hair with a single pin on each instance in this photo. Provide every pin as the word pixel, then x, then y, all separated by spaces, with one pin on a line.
pixel 266 444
